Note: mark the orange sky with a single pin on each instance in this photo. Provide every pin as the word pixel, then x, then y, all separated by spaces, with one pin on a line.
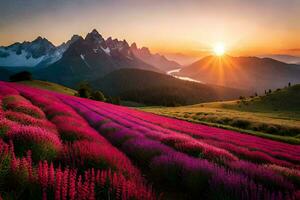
pixel 191 27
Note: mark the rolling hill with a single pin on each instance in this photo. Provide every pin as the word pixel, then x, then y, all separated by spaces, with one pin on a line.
pixel 283 100
pixel 49 86
pixel 160 89
pixel 251 73
pixel 283 58
pixel 275 115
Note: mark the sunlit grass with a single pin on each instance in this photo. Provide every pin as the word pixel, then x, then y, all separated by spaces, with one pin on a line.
pixel 282 126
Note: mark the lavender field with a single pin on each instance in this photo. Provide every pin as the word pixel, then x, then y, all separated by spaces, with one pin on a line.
pixel 55 146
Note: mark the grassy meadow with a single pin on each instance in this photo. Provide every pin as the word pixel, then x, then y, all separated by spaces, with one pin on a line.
pixel 275 115
pixel 49 86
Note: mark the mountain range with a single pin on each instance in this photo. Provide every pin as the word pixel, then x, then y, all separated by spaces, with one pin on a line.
pixel 92 57
pixel 250 73
pixel 80 58
pixel 157 60
pixel 183 58
pixel 283 58
pixel 39 52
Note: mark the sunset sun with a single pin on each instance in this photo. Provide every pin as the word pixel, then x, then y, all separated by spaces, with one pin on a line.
pixel 219 49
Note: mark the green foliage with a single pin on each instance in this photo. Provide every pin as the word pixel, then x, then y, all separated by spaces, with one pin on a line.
pixel 40 151
pixel 84 90
pixel 114 100
pixel 98 96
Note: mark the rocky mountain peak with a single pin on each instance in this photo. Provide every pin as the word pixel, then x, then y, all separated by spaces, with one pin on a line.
pixel 75 37
pixel 42 41
pixel 133 46
pixel 145 50
pixel 94 37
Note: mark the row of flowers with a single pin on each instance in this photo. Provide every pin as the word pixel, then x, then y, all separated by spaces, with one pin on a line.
pixel 49 182
pixel 68 159
pixel 27 127
pixel 167 150
pixel 273 151
pixel 157 152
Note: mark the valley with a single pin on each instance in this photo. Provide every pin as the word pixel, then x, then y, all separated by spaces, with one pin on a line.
pixel 149 100
pixel 174 71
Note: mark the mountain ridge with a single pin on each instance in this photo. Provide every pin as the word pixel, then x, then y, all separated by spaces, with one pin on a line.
pixel 41 53
pixel 251 73
pixel 89 58
pixel 158 60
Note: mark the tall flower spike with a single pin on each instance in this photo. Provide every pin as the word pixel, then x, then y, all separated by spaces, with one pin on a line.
pixel 58 184
pixel 51 175
pixel 72 185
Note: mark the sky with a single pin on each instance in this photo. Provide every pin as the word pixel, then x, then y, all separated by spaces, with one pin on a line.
pixel 167 26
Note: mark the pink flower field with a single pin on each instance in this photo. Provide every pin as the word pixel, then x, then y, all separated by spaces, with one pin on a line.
pixel 54 146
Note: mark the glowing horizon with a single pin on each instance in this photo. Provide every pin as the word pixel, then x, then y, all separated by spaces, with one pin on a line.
pixel 189 27
pixel 219 49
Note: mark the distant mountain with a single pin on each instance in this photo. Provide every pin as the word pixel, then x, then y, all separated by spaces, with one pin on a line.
pixel 57 54
pixel 90 58
pixel 251 73
pixel 25 54
pixel 182 59
pixel 156 60
pixel 79 58
pixel 159 89
pixel 39 52
pixel 283 58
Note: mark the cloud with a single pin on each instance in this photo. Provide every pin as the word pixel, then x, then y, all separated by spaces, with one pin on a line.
pixel 294 50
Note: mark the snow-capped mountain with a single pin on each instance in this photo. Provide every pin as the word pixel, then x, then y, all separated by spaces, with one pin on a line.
pixel 26 54
pixel 91 57
pixel 57 53
pixel 39 52
pixel 80 58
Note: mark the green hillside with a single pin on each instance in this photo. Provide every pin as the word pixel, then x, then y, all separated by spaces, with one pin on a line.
pixel 152 88
pixel 49 86
pixel 287 100
pixel 275 115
